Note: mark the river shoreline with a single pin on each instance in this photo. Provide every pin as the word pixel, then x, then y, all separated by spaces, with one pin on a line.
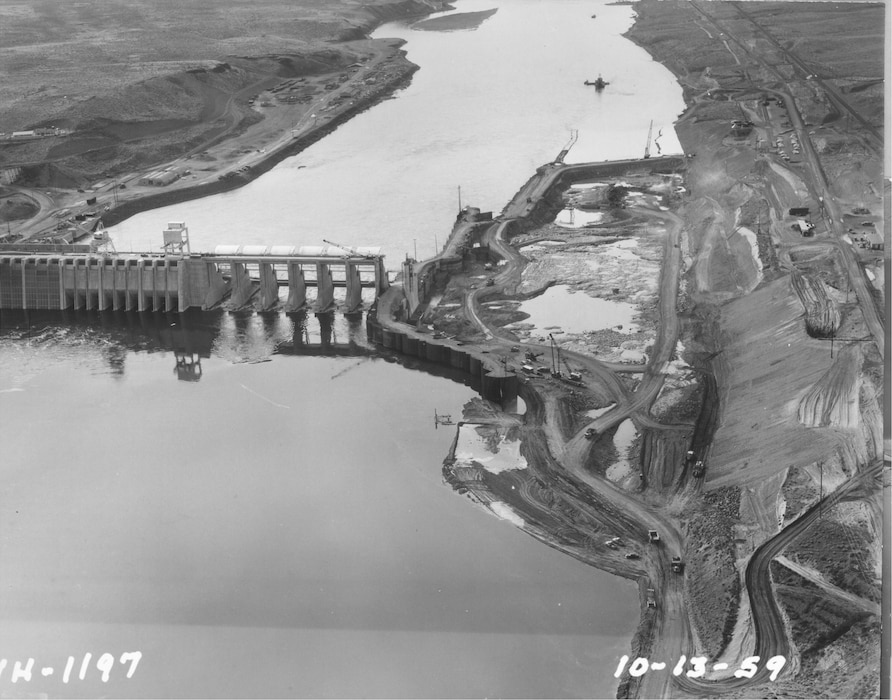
pixel 268 161
pixel 388 72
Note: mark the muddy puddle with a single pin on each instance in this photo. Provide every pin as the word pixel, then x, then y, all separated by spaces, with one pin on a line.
pixel 561 307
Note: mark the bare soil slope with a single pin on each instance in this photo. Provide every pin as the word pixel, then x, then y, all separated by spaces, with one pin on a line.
pixel 140 82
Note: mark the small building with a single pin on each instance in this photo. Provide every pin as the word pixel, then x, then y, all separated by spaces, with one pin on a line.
pixel 799 211
pixel 875 240
pixel 804 227
pixel 23 134
pixel 160 178
pixel 741 127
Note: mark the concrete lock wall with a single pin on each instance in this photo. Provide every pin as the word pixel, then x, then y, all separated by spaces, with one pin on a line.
pixel 494 385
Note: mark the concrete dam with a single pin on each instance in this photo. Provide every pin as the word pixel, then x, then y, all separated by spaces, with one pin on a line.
pixel 239 277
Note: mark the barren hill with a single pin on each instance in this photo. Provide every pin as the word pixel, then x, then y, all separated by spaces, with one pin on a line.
pixel 120 73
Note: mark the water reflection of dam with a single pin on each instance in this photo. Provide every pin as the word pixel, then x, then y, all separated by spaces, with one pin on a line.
pixel 193 336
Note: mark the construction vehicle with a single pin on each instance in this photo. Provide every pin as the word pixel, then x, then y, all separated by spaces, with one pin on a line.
pixel 572 375
pixel 633 555
pixel 556 368
pixel 677 565
pixel 651 598
pixel 612 543
pixel 590 434
pixel 532 356
pixel 699 469
pixel 653 536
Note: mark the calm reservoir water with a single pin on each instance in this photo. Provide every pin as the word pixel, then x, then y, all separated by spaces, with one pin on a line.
pixel 262 516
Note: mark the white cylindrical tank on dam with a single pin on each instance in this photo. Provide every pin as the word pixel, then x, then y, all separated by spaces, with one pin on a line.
pixel 279 251
pixel 282 251
pixel 228 250
pixel 287 251
pixel 254 250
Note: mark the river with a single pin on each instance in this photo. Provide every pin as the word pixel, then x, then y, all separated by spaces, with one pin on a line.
pixel 276 523
pixel 486 108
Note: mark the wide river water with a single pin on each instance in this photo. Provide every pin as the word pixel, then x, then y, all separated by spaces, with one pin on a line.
pixel 276 524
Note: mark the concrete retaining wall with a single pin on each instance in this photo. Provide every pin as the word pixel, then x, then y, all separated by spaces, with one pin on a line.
pixel 493 384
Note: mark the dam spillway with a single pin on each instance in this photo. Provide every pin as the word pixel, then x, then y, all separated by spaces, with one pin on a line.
pixel 241 276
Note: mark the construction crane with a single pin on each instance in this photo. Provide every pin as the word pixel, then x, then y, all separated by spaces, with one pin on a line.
pixel 571 374
pixel 649 133
pixel 556 367
pixel 350 249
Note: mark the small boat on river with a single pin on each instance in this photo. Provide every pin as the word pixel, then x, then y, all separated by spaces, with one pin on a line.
pixel 598 84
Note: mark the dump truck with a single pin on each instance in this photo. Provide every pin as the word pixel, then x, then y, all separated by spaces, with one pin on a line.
pixel 651 598
pixel 590 434
pixel 653 536
pixel 677 565
pixel 699 468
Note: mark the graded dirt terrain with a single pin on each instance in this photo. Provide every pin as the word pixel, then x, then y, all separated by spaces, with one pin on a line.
pixel 756 342
pixel 798 415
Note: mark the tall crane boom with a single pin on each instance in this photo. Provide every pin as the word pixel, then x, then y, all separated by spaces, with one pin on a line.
pixel 349 249
pixel 649 134
pixel 573 375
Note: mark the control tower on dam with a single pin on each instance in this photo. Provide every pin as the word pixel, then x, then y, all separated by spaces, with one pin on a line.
pixel 238 277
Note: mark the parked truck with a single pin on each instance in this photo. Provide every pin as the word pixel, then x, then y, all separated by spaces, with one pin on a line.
pixel 677 565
